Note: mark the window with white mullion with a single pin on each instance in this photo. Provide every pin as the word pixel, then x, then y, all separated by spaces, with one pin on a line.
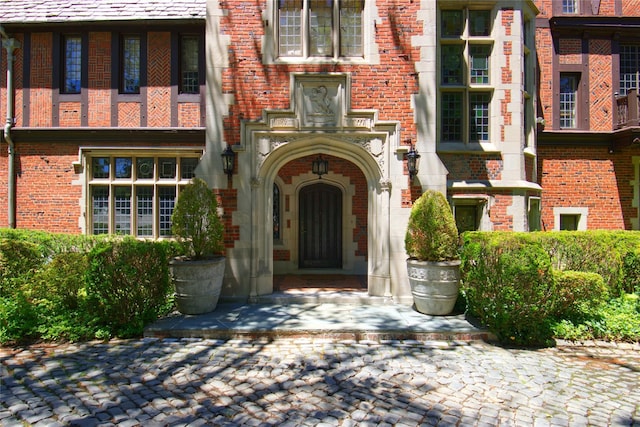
pixel 100 209
pixel 569 6
pixel 351 18
pixel 122 210
pixel 629 67
pixel 144 211
pixel 568 100
pixel 479 116
pixel 320 28
pixel 465 75
pixel 136 194
pixel 166 204
pixel 290 28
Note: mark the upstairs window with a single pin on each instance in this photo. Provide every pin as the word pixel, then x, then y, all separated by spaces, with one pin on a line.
pixel 568 100
pixel 629 67
pixel 320 28
pixel 130 64
pixel 189 64
pixel 570 6
pixel 465 75
pixel 72 64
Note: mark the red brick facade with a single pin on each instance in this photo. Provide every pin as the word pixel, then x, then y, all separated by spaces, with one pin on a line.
pixel 48 187
pixel 590 168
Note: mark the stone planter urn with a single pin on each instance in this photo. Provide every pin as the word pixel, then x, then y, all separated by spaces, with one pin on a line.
pixel 434 285
pixel 433 265
pixel 198 284
pixel 198 271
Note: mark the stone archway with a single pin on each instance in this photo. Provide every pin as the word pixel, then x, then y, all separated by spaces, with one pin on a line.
pixel 279 154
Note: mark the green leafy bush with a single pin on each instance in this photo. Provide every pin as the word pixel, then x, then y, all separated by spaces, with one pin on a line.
pixel 617 320
pixel 508 284
pixel 46 292
pixel 19 261
pixel 432 234
pixel 578 292
pixel 18 318
pixel 128 284
pixel 631 271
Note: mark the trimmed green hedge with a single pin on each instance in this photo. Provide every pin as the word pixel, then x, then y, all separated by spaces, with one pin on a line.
pixel 521 285
pixel 73 287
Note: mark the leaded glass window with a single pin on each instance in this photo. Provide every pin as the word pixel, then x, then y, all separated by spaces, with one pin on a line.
pixel 136 193
pixel 320 28
pixel 568 100
pixel 276 212
pixel 629 67
pixel 72 64
pixel 189 64
pixel 130 82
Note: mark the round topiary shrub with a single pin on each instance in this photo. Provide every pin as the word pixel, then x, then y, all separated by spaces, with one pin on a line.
pixel 432 234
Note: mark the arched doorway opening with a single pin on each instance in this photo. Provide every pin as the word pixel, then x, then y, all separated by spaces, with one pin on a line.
pixel 365 200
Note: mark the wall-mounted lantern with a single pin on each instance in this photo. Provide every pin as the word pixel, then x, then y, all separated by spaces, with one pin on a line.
pixel 413 159
pixel 228 161
pixel 320 166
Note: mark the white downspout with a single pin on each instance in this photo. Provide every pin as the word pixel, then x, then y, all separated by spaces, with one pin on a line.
pixel 10 45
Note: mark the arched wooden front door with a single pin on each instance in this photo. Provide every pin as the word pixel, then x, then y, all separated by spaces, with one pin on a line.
pixel 320 209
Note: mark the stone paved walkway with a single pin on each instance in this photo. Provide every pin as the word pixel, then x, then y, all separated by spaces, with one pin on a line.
pixel 323 382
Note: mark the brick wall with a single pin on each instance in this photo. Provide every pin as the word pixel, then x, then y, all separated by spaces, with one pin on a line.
pixel 600 86
pixel 159 79
pixel 47 199
pixel 99 79
pixel 567 178
pixel 473 167
pixel 387 86
pixel 41 61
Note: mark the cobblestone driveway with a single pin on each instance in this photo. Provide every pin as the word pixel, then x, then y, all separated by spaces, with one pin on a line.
pixel 193 382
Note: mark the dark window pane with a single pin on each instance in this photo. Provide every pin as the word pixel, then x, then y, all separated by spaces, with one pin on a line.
pixel 451 116
pixel 131 64
pixel 167 167
pixel 144 167
pixel 479 23
pixel 276 212
pixel 569 222
pixel 189 49
pixel 167 199
pixel 72 63
pixel 123 167
pixel 100 167
pixel 188 167
pixel 451 23
pixel 466 218
pixel 452 64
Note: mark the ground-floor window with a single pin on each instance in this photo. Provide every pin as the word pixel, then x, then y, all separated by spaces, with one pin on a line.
pixel 533 214
pixel 135 194
pixel 570 218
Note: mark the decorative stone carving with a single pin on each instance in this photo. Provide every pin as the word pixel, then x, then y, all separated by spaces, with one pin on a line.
pixel 320 106
pixel 284 123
